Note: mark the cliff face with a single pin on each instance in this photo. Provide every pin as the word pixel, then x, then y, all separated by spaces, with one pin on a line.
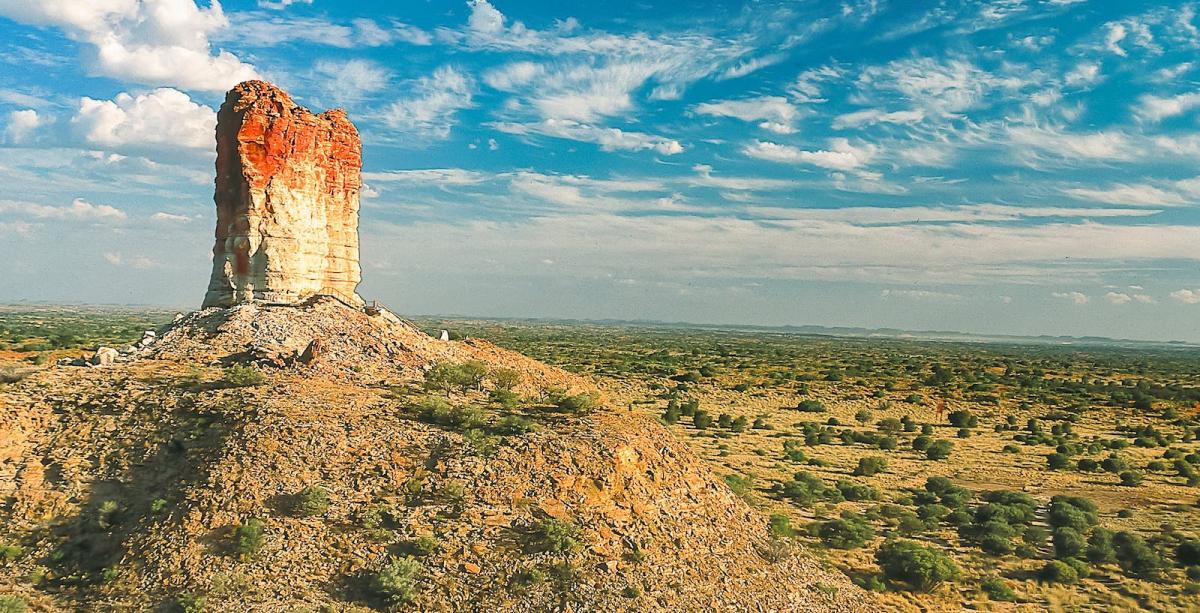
pixel 287 192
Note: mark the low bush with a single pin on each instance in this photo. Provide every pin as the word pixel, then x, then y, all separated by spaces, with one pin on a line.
pixel 850 532
pixel 556 535
pixel 919 567
pixel 939 449
pixel 1057 571
pixel 870 465
pixel 997 589
pixel 249 535
pixel 311 501
pixel 396 582
pixel 243 375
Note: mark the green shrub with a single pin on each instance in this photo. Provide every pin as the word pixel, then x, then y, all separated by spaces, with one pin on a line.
pixel 849 532
pixel 458 417
pixel 997 589
pixel 557 535
pixel 780 526
pixel 9 552
pixel 504 378
pixel 856 491
pixel 250 539
pixel 1187 553
pixel 243 375
pixel 188 602
pixel 963 419
pixel 887 443
pixel 515 425
pixel 1057 571
pixel 422 546
pixel 702 420
pixel 1100 548
pixel 13 604
pixel 1068 543
pixel 311 501
pixel 920 567
pixel 579 404
pixel 1086 465
pixel 396 581
pixel 939 449
pixel 1130 478
pixel 810 406
pixel 793 450
pixel 504 397
pixel 862 416
pixel 870 465
pixel 1057 461
pixel 921 443
pixel 1136 557
pixel 890 425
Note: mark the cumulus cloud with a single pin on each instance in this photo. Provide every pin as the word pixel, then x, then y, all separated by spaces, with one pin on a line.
pixel 1118 298
pixel 1187 296
pixel 21 125
pixel 164 117
pixel 775 113
pixel 1075 297
pixel 155 42
pixel 432 109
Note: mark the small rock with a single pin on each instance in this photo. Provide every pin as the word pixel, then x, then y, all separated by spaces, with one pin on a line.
pixel 104 356
pixel 471 568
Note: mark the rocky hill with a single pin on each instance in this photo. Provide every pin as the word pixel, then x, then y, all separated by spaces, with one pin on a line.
pixel 275 458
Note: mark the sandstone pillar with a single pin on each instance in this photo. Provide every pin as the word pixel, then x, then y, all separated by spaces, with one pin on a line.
pixel 287 194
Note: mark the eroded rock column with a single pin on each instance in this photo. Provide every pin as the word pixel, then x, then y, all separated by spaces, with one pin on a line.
pixel 287 192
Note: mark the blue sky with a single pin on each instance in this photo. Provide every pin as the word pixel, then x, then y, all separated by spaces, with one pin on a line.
pixel 1007 166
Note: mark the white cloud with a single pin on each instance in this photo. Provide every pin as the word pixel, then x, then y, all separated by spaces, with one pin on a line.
pixel 807 87
pixel 1084 73
pixel 79 209
pixel 609 139
pixel 256 29
pixel 155 42
pixel 433 107
pixel 1187 296
pixel 775 112
pixel 868 117
pixel 1118 298
pixel 1036 142
pixel 1138 195
pixel 705 178
pixel 1115 33
pixel 1144 299
pixel 350 80
pixel 280 4
pixel 427 176
pixel 940 87
pixel 163 117
pixel 1157 108
pixel 1075 297
pixel 841 155
pixel 170 217
pixel 921 295
pixel 21 125
pixel 484 17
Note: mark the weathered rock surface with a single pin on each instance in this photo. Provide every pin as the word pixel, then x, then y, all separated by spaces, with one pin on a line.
pixel 287 193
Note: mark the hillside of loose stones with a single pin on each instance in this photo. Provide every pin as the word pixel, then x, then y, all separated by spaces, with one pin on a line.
pixel 126 484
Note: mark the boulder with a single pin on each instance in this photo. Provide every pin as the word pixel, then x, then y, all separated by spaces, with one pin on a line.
pixel 104 356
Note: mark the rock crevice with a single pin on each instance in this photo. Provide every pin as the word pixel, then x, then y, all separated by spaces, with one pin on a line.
pixel 287 196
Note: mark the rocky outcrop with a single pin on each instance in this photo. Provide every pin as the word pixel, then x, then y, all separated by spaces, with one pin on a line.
pixel 287 194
